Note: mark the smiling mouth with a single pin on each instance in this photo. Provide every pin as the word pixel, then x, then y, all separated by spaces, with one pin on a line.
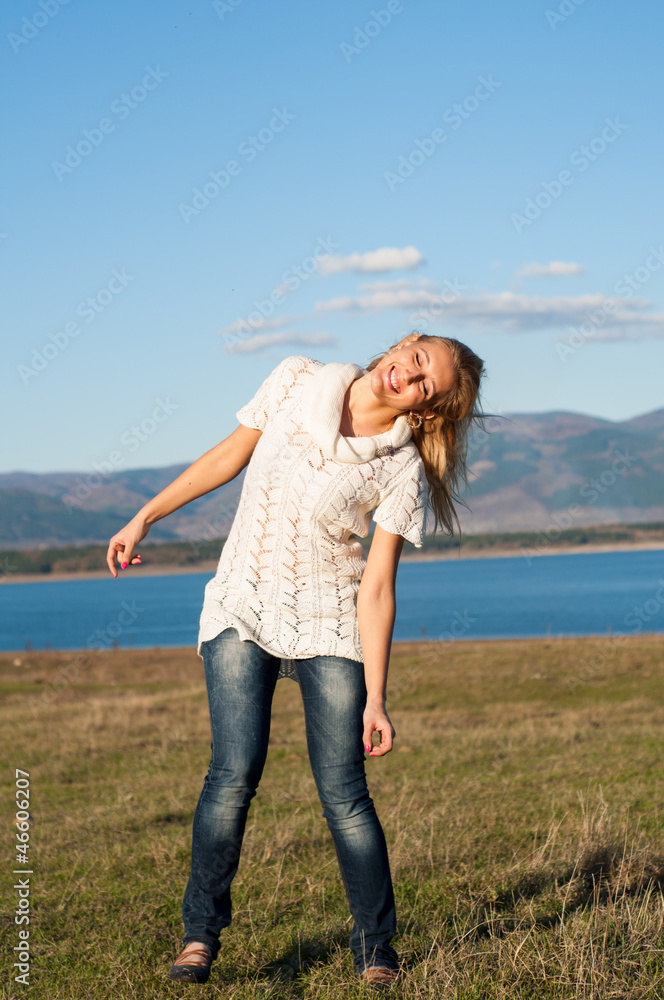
pixel 393 379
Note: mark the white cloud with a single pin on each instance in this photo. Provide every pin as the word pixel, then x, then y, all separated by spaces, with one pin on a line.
pixel 387 298
pixel 384 259
pixel 639 327
pixel 262 324
pixel 261 342
pixel 380 286
pixel 556 269
pixel 508 312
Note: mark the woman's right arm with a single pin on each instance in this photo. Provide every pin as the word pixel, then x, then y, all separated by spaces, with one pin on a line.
pixel 213 469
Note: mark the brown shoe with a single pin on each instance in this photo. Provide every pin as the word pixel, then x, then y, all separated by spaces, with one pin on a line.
pixel 192 964
pixel 379 977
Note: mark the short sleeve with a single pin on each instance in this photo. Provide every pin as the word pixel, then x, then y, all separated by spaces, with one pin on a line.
pixel 403 508
pixel 275 390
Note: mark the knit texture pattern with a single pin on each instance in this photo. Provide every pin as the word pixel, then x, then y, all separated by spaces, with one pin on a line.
pixel 291 567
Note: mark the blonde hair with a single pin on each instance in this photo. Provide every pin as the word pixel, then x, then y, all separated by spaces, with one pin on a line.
pixel 442 441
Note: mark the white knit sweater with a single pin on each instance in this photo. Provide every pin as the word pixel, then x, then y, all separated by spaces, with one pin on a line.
pixel 290 569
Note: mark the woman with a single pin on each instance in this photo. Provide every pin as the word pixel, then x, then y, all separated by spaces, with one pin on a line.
pixel 324 446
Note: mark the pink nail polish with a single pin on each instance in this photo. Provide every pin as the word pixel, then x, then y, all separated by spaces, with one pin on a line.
pixel 124 565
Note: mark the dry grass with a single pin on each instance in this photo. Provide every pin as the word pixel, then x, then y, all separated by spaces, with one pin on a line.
pixel 522 807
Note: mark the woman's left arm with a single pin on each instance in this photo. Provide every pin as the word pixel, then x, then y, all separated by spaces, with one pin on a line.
pixel 376 610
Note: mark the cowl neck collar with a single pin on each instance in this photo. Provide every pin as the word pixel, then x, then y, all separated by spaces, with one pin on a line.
pixel 322 406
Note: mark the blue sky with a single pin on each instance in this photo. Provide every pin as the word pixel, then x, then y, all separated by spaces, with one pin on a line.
pixel 486 171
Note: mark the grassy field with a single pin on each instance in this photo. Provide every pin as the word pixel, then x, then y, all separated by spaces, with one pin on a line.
pixel 522 805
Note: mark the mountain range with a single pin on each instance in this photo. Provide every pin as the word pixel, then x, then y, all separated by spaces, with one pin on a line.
pixel 527 471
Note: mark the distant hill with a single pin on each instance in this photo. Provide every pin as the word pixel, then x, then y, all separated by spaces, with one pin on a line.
pixel 535 470
pixel 79 508
pixel 528 471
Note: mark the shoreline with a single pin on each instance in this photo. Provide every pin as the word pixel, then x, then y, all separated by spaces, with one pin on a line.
pixel 21 657
pixel 210 566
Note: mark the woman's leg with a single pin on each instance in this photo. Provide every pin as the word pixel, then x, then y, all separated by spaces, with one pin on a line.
pixel 240 679
pixel 334 695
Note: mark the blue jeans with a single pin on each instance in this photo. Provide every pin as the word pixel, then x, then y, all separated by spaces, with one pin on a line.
pixel 241 678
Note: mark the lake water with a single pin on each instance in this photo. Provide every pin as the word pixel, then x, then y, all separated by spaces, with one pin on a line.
pixel 558 595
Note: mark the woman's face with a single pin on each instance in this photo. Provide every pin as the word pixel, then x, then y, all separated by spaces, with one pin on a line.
pixel 414 376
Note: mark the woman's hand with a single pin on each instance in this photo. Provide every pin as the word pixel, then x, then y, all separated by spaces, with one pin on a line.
pixel 122 545
pixel 376 720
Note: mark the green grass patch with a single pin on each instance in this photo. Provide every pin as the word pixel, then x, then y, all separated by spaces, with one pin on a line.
pixel 522 806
